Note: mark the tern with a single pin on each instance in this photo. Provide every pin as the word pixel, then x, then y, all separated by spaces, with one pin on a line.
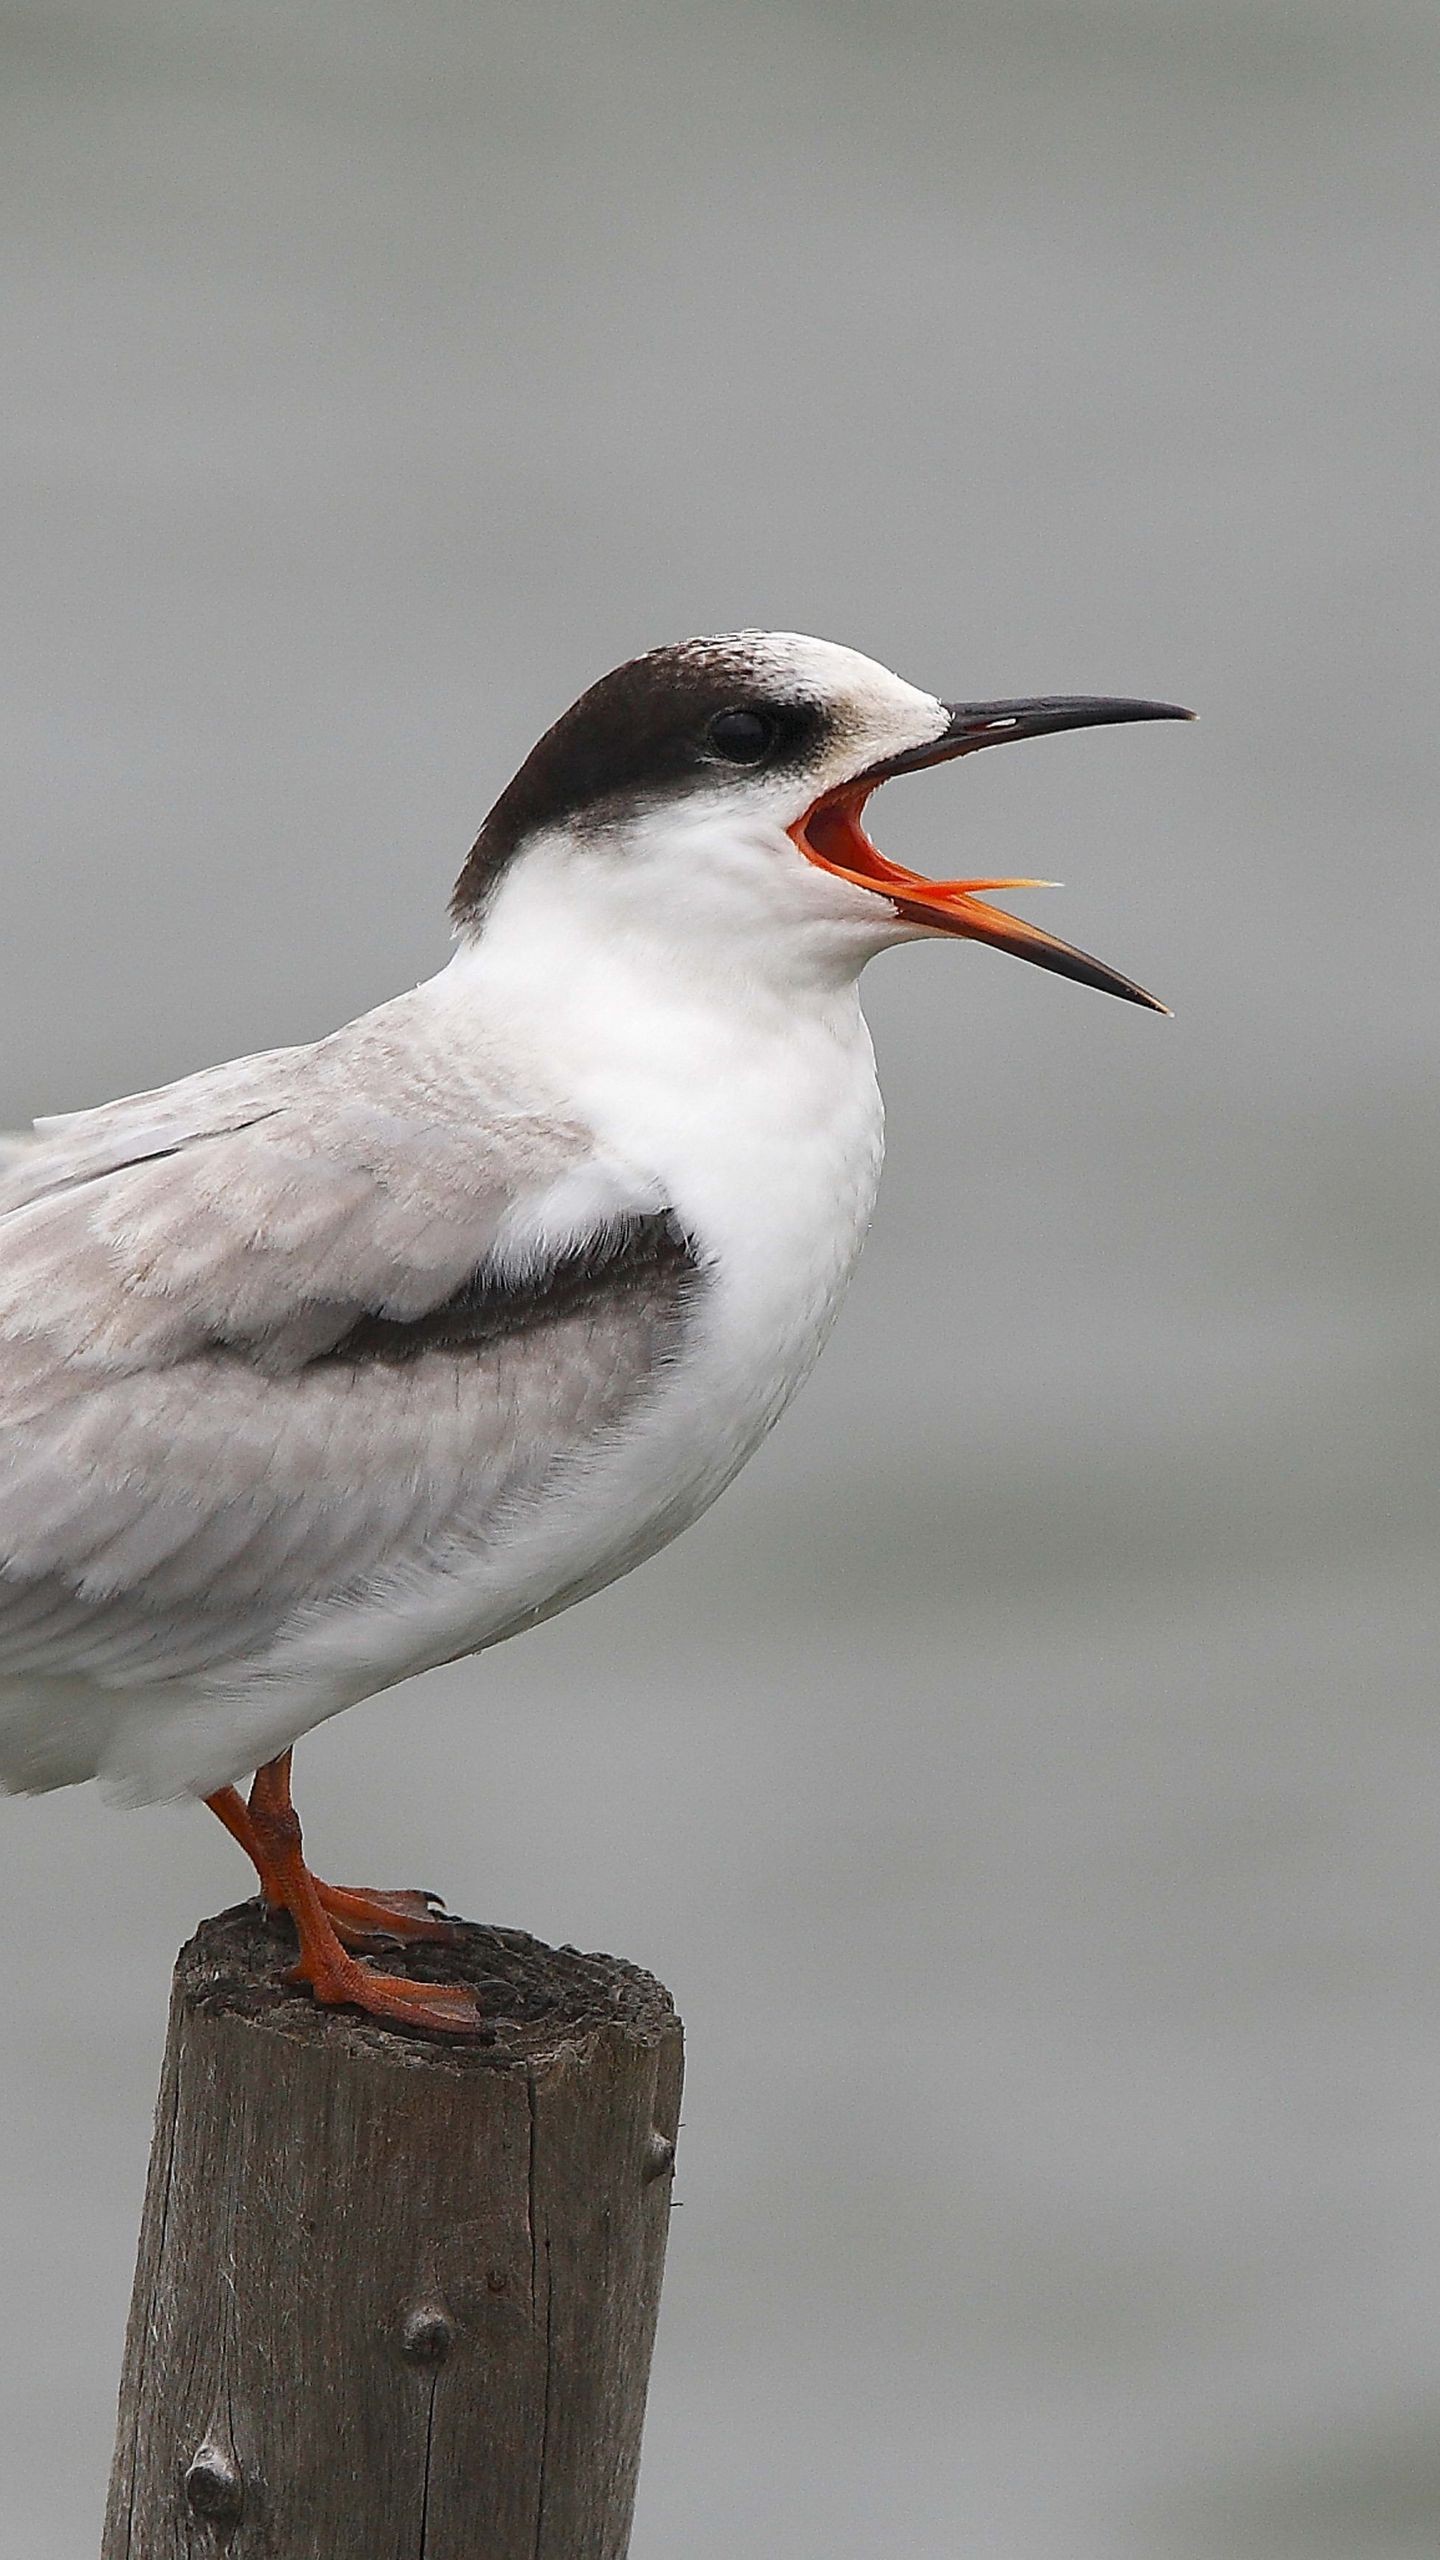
pixel 341 1361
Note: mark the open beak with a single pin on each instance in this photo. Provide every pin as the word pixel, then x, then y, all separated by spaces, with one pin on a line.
pixel 830 833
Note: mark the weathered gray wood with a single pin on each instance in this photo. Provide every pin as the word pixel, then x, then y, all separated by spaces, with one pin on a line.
pixel 396 2298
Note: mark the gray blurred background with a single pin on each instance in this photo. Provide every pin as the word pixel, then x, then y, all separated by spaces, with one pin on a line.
pixel 1029 1779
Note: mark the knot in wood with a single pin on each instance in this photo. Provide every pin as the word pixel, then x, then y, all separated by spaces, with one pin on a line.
pixel 659 2156
pixel 214 2490
pixel 428 2334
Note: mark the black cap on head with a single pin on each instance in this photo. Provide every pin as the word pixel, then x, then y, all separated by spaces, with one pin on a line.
pixel 696 711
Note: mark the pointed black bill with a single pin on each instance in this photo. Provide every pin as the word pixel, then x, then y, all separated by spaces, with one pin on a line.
pixel 830 833
pixel 1001 724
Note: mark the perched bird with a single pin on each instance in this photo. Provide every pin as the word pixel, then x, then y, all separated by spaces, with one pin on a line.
pixel 342 1361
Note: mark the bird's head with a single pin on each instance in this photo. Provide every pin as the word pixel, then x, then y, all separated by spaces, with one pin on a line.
pixel 712 794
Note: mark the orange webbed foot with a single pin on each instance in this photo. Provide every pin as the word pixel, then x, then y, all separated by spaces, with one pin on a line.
pixel 366 1917
pixel 339 1982
pixel 331 1919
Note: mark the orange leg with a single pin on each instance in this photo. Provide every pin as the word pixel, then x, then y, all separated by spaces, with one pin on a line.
pixel 268 1830
pixel 363 1916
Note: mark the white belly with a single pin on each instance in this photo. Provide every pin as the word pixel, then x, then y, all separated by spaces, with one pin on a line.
pixel 774 1174
pixel 775 1178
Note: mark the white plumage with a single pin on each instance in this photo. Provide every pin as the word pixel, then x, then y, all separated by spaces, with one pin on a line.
pixel 213 1534
pixel 338 1362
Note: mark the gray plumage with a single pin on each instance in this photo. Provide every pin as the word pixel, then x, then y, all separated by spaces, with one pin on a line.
pixel 273 1335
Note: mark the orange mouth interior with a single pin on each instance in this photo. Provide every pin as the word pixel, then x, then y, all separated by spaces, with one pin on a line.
pixel 831 836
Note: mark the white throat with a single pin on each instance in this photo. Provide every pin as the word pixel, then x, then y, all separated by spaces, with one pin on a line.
pixel 698 892
pixel 717 1050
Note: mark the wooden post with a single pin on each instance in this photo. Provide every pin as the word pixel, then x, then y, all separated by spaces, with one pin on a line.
pixel 396 2298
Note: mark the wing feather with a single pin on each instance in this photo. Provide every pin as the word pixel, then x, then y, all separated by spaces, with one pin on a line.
pixel 274 1333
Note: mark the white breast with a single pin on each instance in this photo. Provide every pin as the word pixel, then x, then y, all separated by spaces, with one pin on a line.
pixel 762 1128
pixel 735 1087
pixel 767 1140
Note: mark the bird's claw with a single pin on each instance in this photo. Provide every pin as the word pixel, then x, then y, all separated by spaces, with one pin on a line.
pixel 364 1915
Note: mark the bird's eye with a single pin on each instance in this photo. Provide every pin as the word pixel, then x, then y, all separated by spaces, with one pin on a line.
pixel 742 737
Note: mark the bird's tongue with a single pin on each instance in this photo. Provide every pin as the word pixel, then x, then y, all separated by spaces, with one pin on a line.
pixel 831 835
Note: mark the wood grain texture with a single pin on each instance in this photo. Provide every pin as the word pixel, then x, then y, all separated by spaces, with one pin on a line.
pixel 395 2298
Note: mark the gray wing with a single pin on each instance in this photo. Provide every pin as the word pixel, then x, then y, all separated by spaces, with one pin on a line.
pixel 250 1367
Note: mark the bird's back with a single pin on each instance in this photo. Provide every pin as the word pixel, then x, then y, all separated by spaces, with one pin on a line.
pixel 274 1337
pixel 341 1360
